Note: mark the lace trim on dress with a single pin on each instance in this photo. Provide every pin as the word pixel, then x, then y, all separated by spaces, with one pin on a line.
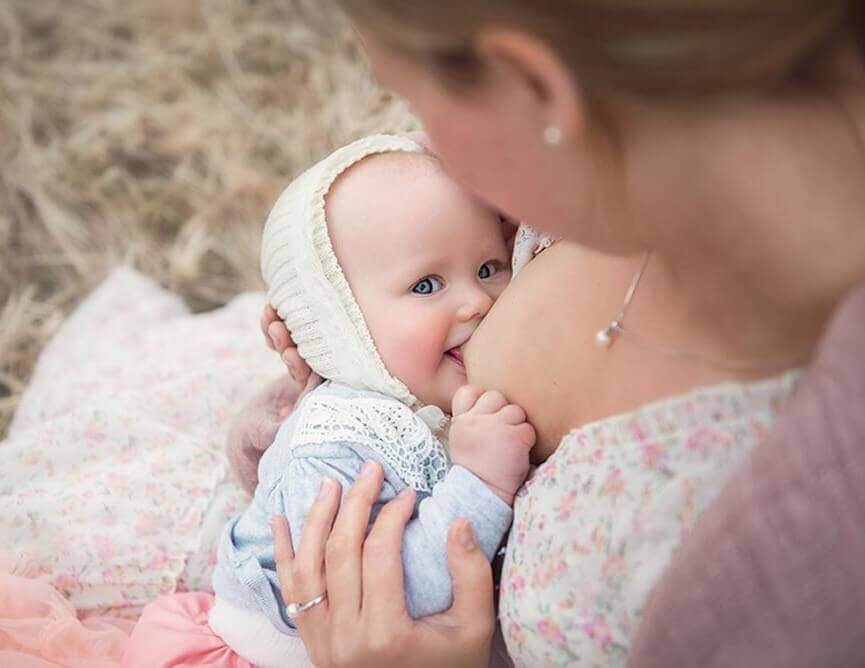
pixel 386 426
pixel 528 244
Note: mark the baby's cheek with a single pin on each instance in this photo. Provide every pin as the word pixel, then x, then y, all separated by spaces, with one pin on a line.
pixel 417 344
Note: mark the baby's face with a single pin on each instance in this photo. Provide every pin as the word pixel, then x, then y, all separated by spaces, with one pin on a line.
pixel 425 261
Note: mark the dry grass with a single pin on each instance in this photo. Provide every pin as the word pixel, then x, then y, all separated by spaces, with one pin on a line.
pixel 158 133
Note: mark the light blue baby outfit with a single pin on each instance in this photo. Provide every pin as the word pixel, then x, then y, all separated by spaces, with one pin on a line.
pixel 333 431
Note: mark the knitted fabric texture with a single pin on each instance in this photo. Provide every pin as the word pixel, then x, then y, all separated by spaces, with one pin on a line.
pixel 306 284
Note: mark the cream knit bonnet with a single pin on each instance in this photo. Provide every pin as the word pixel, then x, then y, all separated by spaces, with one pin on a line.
pixel 306 284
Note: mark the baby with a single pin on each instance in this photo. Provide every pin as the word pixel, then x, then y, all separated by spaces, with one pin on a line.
pixel 382 268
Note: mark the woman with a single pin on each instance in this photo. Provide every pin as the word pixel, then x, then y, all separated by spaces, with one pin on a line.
pixel 706 163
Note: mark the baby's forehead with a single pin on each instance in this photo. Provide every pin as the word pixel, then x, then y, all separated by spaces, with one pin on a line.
pixel 380 170
pixel 381 191
pixel 398 181
pixel 405 203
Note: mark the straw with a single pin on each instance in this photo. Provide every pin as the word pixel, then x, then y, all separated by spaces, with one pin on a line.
pixel 158 134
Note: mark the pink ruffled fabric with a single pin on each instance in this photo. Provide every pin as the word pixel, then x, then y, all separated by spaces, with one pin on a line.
pixel 39 629
pixel 173 631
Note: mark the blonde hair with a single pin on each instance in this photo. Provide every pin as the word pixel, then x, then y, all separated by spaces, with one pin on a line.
pixel 653 46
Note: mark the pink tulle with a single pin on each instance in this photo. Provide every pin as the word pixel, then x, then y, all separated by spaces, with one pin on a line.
pixel 173 631
pixel 39 629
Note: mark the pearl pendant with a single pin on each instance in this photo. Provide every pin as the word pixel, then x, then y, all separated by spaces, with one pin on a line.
pixel 604 337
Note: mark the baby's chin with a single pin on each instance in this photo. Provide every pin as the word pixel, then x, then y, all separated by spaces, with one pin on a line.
pixel 443 401
pixel 442 395
pixel 454 378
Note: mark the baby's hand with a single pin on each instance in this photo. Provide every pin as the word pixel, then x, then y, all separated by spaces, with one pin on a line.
pixel 491 438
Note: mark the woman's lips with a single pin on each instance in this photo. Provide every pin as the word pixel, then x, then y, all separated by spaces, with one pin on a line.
pixel 456 354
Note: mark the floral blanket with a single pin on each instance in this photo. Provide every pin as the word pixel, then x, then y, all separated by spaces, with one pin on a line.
pixel 114 484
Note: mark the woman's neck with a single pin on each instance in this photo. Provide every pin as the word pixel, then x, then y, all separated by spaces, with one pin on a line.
pixel 755 213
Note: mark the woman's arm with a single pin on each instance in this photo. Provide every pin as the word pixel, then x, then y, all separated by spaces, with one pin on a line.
pixel 773 574
pixel 364 621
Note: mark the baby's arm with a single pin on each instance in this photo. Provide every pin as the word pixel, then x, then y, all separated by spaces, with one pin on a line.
pixel 459 494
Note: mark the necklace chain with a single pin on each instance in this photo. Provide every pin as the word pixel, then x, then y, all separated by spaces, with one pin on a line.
pixel 605 338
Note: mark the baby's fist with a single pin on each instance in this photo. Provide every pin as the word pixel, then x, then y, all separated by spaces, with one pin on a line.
pixel 491 438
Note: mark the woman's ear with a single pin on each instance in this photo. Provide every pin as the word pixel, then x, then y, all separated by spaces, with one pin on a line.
pixel 528 73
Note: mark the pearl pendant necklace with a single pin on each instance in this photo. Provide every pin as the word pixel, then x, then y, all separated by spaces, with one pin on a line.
pixel 604 337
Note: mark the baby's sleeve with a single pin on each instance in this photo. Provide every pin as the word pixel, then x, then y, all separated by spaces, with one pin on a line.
pixel 428 583
pixel 460 494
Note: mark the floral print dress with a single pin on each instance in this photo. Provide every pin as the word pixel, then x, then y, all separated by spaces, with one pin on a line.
pixel 598 522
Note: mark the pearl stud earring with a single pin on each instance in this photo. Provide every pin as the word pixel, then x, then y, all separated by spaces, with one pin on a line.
pixel 553 135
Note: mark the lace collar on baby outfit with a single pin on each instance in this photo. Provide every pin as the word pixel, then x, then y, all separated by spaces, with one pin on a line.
pixel 409 442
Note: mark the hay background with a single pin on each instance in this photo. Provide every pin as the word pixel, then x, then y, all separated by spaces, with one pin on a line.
pixel 158 133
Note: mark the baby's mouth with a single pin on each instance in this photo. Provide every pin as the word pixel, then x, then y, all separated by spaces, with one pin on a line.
pixel 456 354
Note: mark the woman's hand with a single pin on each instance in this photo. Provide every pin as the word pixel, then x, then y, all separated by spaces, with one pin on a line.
pixel 278 338
pixel 363 621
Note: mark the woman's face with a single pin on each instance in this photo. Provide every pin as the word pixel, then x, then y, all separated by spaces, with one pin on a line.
pixel 491 140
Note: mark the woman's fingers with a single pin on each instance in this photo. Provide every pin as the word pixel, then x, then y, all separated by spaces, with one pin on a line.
pixel 279 336
pixel 268 315
pixel 312 382
pixel 308 578
pixel 295 364
pixel 344 547
pixel 473 609
pixel 283 553
pixel 382 561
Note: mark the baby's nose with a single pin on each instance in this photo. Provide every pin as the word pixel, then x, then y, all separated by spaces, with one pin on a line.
pixel 476 305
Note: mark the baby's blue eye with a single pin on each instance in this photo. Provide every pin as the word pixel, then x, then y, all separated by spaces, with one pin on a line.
pixel 427 286
pixel 488 270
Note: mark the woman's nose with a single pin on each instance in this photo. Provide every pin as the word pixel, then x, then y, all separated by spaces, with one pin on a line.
pixel 476 304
